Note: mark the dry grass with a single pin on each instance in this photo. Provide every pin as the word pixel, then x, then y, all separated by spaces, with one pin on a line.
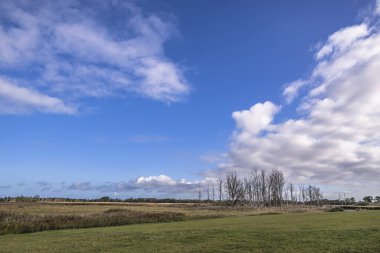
pixel 27 223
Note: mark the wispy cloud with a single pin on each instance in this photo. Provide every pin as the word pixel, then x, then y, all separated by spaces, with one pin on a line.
pixel 377 7
pixel 291 90
pixel 15 99
pixel 44 186
pixel 336 140
pixel 214 157
pixel 63 51
pixel 341 40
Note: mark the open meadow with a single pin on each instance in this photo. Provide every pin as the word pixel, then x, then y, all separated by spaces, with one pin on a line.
pixel 191 228
pixel 26 217
pixel 294 232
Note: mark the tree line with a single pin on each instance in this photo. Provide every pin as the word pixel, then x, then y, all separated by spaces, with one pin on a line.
pixel 261 188
pixel 268 188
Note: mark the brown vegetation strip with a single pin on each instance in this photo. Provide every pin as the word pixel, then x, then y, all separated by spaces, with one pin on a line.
pixel 26 223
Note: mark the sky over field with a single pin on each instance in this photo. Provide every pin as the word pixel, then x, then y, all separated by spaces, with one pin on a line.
pixel 150 98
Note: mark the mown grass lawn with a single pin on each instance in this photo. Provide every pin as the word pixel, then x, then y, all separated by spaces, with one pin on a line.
pixel 302 232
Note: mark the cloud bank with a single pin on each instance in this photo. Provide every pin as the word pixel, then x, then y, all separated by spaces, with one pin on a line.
pixel 53 53
pixel 335 140
pixel 161 185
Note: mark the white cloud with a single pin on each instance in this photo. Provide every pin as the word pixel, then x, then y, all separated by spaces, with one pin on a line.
pixel 20 40
pixel 336 142
pixel 256 119
pixel 342 39
pixel 157 74
pixel 69 50
pixel 292 89
pixel 16 100
pixel 161 179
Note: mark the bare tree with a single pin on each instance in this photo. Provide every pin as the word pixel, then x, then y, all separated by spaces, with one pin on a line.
pixel 302 193
pixel 291 192
pixel 256 188
pixel 220 188
pixel 208 191
pixel 314 195
pixel 263 187
pixel 276 186
pixel 286 194
pixel 213 191
pixel 234 188
pixel 310 192
pixel 248 190
pixel 200 193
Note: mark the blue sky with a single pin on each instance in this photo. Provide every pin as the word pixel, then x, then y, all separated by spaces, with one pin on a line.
pixel 98 97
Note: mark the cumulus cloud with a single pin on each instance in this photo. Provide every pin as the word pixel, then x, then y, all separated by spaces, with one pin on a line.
pixel 71 50
pixel 336 140
pixel 256 119
pixel 160 180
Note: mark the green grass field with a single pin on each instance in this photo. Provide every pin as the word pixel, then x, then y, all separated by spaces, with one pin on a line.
pixel 297 232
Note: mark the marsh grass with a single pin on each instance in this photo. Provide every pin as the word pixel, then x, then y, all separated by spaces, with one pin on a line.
pixel 26 223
